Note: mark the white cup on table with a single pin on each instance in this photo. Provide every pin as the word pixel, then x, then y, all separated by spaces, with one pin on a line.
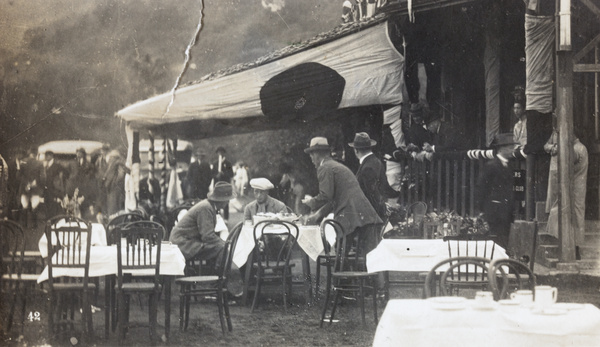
pixel 545 296
pixel 524 297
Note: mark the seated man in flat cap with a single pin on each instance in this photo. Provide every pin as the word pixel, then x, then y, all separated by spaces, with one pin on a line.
pixel 263 203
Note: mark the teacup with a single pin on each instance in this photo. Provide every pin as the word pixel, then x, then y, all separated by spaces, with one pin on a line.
pixel 545 296
pixel 524 297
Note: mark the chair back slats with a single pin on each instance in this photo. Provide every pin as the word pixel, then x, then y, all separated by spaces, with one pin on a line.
pixel 12 249
pixel 342 246
pixel 277 239
pixel 457 272
pixel 118 221
pixel 468 245
pixel 139 248
pixel 69 243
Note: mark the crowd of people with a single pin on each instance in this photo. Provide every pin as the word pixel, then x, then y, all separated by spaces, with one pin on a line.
pixel 42 183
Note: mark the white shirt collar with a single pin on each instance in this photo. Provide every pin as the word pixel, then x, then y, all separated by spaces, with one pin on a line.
pixel 361 159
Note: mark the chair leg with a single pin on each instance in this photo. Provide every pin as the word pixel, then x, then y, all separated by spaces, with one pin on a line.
pixel 375 303
pixel 87 312
pixel 361 298
pixel 336 297
pixel 187 310
pixel 121 322
pixel 227 315
pixel 181 305
pixel 12 306
pixel 327 292
pixel 257 289
pixel 318 278
pixel 24 297
pixel 284 286
pixel 153 307
pixel 220 308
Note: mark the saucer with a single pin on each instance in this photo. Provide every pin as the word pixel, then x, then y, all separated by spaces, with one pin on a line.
pixel 568 306
pixel 449 303
pixel 484 306
pixel 551 311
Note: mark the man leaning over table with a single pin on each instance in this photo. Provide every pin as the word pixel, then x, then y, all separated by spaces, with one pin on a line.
pixel 195 233
pixel 263 203
pixel 340 193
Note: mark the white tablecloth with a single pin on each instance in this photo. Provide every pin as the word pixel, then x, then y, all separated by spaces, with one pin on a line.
pixel 418 255
pixel 98 238
pixel 309 239
pixel 103 261
pixel 418 323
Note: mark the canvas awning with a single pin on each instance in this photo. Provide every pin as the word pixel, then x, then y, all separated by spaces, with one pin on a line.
pixel 321 79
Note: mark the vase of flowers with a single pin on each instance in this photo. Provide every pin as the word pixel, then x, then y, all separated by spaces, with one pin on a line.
pixel 72 205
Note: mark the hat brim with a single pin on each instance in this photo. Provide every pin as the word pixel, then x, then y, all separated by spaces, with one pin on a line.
pixel 210 196
pixel 317 148
pixel 353 145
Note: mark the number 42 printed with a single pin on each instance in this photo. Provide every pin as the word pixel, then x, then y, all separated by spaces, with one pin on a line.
pixel 33 316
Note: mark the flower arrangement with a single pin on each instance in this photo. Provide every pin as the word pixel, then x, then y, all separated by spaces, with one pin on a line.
pixel 72 205
pixel 451 224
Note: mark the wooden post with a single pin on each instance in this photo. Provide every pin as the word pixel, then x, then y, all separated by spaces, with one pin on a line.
pixel 529 187
pixel 564 110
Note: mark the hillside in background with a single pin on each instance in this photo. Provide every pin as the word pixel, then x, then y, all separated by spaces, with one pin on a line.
pixel 67 67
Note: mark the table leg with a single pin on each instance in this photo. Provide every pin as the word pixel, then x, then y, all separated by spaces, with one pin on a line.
pixel 167 286
pixel 247 275
pixel 307 277
pixel 107 305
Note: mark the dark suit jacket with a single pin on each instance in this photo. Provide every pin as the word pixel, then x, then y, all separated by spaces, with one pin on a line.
pixel 339 188
pixel 198 180
pixel 54 179
pixel 418 135
pixel 374 184
pixel 195 233
pixel 495 198
pixel 226 173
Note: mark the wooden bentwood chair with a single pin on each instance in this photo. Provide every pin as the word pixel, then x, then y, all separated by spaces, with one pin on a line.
pixel 192 286
pixel 16 283
pixel 347 278
pixel 138 253
pixel 457 273
pixel 272 252
pixel 69 241
pixel 514 275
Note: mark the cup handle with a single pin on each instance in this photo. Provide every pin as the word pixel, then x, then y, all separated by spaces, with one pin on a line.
pixel 554 294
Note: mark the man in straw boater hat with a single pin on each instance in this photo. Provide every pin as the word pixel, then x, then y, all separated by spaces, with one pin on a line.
pixel 371 174
pixel 340 193
pixel 263 203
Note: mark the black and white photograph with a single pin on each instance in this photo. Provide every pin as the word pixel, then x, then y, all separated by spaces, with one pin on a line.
pixel 300 173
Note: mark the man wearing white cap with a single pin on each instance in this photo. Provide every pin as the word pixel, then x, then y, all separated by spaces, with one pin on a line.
pixel 263 203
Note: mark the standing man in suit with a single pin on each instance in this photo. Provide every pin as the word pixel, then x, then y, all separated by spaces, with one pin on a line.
pixel 223 171
pixel 371 174
pixel 198 177
pixel 495 194
pixel 53 178
pixel 101 165
pixel 340 193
